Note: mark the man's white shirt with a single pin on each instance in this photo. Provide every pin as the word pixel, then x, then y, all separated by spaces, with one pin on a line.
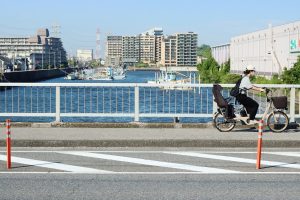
pixel 245 84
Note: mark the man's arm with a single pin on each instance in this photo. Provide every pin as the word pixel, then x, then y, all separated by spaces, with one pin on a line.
pixel 259 89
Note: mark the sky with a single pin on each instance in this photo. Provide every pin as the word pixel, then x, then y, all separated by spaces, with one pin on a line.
pixel 215 21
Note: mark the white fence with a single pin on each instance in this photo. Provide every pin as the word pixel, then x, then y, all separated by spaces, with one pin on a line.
pixel 133 100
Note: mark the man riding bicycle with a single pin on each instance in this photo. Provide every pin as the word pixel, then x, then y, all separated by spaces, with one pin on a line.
pixel 250 104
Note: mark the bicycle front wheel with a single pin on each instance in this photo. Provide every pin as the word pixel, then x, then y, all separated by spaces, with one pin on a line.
pixel 278 121
pixel 222 124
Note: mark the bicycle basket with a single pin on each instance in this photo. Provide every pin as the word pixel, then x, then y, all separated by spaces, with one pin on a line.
pixel 280 102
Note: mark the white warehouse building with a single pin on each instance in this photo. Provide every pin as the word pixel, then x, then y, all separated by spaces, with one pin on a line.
pixel 269 50
pixel 221 53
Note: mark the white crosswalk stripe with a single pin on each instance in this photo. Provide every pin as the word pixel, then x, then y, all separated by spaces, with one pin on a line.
pixel 149 162
pixel 235 159
pixel 51 165
pixel 292 154
pixel 181 164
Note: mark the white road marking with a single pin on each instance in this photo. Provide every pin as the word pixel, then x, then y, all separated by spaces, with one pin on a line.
pixel 292 154
pixel 235 159
pixel 145 151
pixel 154 173
pixel 149 162
pixel 51 165
pixel 129 151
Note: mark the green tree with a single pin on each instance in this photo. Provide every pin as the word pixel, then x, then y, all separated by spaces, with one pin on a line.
pixel 276 79
pixel 94 63
pixel 209 71
pixel 142 65
pixel 230 78
pixel 292 76
pixel 225 68
pixel 204 50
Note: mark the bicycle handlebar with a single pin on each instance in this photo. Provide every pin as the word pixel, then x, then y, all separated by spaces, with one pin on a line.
pixel 267 90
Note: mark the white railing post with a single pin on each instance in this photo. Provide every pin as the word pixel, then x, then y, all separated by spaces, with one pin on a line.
pixel 136 104
pixel 292 104
pixel 57 104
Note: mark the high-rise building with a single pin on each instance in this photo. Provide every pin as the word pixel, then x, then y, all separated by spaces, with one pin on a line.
pixel 187 49
pixel 113 52
pixel 158 43
pixel 114 46
pixel 153 47
pixel 147 48
pixel 130 49
pixel 41 51
pixel 168 51
pixel 154 31
pixel 157 33
pixel 179 50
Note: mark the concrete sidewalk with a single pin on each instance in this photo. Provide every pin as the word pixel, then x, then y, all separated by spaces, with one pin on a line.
pixel 146 137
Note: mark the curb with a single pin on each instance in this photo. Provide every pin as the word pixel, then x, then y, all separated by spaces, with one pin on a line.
pixel 121 125
pixel 152 143
pixel 107 125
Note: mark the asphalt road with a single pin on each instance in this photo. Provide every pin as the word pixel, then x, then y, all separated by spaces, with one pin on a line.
pixel 150 173
pixel 129 187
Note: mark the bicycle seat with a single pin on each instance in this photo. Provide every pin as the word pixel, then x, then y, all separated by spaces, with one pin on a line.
pixel 218 98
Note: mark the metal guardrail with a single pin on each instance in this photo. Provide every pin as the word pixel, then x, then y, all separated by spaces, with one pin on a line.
pixel 134 100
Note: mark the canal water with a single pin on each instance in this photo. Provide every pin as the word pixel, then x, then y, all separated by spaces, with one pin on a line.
pixel 106 100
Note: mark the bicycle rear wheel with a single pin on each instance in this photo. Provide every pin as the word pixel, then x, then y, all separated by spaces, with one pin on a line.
pixel 277 121
pixel 222 124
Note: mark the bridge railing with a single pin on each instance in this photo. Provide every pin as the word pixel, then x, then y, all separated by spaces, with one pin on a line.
pixel 133 100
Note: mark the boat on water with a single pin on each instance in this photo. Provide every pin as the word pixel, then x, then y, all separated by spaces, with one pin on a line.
pixel 119 73
pixel 174 78
pixel 104 74
pixel 72 76
pixel 33 75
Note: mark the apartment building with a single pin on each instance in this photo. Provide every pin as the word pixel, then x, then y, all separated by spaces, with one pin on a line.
pixel 153 47
pixel 168 51
pixel 157 33
pixel 147 48
pixel 113 53
pixel 187 49
pixel 41 50
pixel 130 49
pixel 179 50
pixel 158 46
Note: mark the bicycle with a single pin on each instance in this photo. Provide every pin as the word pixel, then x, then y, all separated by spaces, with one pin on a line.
pixel 277 120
